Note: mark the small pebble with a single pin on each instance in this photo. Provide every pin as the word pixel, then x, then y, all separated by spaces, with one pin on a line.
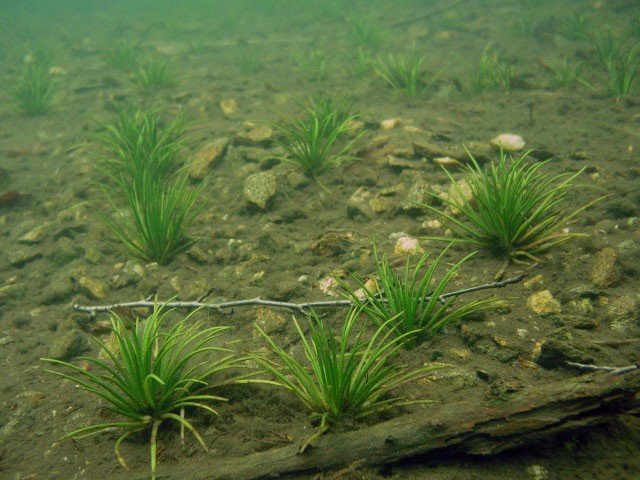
pixel 508 142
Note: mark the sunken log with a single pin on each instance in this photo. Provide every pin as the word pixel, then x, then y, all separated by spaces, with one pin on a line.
pixel 528 417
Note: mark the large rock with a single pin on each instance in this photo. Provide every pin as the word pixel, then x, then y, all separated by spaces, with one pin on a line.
pixel 543 303
pixel 67 345
pixel 605 272
pixel 254 134
pixel 201 164
pixel 259 188
pixel 555 353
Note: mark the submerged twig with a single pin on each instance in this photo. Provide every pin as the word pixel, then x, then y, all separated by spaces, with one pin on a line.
pixel 300 307
pixel 599 368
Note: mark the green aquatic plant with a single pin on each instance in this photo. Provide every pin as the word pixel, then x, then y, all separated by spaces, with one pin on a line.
pixel 527 25
pixel 566 74
pixel 338 110
pixel 140 143
pixel 313 65
pixel 248 61
pixel 409 303
pixel 345 375
pixel 363 63
pixel 157 217
pixel 151 376
pixel 623 72
pixel 365 33
pixel 514 210
pixel 575 26
pixel 492 73
pixel 35 90
pixel 141 149
pixel 312 141
pixel 403 73
pixel 633 29
pixel 607 46
pixel 153 73
pixel 124 55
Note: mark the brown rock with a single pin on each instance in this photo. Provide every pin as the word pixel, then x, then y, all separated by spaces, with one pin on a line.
pixel 269 321
pixel 333 243
pixel 543 303
pixel 461 194
pixel 623 312
pixel 203 161
pixel 228 106
pixel 93 288
pixel 555 353
pixel 605 272
pixel 254 134
pixel 259 188
pixel 423 149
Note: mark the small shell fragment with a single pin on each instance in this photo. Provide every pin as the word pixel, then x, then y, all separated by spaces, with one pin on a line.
pixel 509 142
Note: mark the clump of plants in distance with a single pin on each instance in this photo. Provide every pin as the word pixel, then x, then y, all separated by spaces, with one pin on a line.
pixel 125 55
pixel 366 33
pixel 160 205
pixel 35 90
pixel 515 210
pixel 607 46
pixel 313 65
pixel 575 26
pixel 409 303
pixel 623 72
pixel 566 74
pixel 151 376
pixel 620 60
pixel 362 63
pixel 320 137
pixel 403 73
pixel 492 73
pixel 152 74
pixel 345 375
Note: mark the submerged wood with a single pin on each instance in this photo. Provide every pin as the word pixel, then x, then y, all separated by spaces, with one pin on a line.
pixel 300 307
pixel 531 416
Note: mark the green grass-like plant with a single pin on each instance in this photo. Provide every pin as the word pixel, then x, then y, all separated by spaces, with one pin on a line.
pixel 35 89
pixel 311 142
pixel 403 73
pixel 158 215
pixel 575 26
pixel 249 61
pixel 141 143
pixel 363 63
pixel 125 55
pixel 623 72
pixel 633 29
pixel 337 109
pixel 153 74
pixel 151 376
pixel 313 65
pixel 366 33
pixel 344 375
pixel 566 74
pixel 516 211
pixel 409 302
pixel 160 207
pixel 492 73
pixel 607 46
